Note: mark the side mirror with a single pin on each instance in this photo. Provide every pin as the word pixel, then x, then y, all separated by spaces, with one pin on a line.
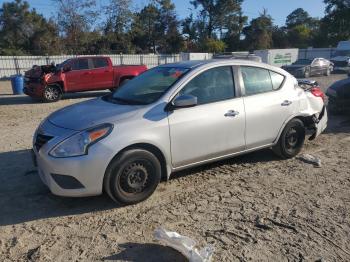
pixel 183 101
pixel 66 68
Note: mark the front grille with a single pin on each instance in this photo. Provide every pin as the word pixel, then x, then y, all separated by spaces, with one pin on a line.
pixel 41 140
pixel 340 63
pixel 34 80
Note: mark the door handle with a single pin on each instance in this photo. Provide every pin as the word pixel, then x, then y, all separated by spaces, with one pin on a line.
pixel 286 103
pixel 231 113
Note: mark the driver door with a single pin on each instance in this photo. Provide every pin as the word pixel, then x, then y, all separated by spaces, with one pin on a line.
pixel 213 128
pixel 80 78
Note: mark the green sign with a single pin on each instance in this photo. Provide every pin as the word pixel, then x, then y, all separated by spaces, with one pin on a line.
pixel 282 58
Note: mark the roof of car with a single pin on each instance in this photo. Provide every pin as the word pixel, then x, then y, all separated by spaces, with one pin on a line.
pixel 196 63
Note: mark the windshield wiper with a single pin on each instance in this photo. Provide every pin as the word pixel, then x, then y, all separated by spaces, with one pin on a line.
pixel 124 101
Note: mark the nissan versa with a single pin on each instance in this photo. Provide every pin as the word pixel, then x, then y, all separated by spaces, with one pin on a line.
pixel 170 118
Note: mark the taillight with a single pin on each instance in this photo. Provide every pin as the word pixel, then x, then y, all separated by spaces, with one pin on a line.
pixel 316 91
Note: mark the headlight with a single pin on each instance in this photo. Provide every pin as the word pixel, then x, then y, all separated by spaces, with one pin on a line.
pixel 78 144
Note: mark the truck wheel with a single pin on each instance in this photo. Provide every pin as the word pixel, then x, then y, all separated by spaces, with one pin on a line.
pixel 52 93
pixel 133 176
pixel 124 81
pixel 291 140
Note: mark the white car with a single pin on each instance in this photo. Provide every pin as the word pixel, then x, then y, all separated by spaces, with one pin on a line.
pixel 173 117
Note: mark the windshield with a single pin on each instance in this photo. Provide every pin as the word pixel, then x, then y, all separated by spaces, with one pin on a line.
pixel 303 62
pixel 149 86
pixel 60 66
pixel 342 53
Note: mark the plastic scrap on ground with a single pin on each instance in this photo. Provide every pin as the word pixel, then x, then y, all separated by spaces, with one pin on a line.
pixel 185 245
pixel 310 159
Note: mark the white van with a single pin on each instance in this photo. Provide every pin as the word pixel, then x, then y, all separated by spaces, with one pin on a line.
pixel 341 58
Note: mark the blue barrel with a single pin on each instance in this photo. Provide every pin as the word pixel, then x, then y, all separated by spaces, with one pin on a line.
pixel 17 84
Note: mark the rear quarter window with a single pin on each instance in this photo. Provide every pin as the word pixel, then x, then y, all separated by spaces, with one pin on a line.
pixel 100 62
pixel 276 79
pixel 260 80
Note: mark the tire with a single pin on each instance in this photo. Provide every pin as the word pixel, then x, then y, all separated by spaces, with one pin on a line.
pixel 52 93
pixel 121 83
pixel 124 81
pixel 291 140
pixel 132 177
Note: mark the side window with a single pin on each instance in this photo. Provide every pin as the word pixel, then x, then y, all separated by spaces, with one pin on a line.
pixel 100 62
pixel 256 80
pixel 80 64
pixel 316 62
pixel 213 85
pixel 276 79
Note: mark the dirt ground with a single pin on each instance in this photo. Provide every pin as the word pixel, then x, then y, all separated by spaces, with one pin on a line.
pixel 255 207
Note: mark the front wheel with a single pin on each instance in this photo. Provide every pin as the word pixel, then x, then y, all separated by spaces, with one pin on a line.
pixel 52 93
pixel 133 176
pixel 291 140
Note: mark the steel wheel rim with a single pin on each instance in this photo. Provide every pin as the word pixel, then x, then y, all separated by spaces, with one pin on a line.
pixel 135 178
pixel 291 139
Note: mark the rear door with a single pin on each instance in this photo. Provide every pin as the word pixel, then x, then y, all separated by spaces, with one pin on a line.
pixel 268 102
pixel 210 129
pixel 80 77
pixel 102 73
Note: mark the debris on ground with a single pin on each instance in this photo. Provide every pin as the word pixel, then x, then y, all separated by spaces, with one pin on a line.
pixel 184 245
pixel 310 159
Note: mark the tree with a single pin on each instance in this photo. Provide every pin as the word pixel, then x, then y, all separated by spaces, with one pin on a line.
pixel 171 40
pixel 218 15
pixel 155 28
pixel 336 24
pixel 280 37
pixel 75 19
pixel 213 46
pixel 24 31
pixel 116 30
pixel 258 35
pixel 298 17
pixel 301 28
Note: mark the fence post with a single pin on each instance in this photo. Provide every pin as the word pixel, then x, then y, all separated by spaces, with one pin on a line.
pixel 47 60
pixel 158 59
pixel 121 59
pixel 141 59
pixel 18 70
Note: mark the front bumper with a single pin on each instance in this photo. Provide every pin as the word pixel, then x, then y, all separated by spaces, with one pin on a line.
pixel 73 176
pixel 34 89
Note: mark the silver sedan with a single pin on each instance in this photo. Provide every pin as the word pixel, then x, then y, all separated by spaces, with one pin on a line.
pixel 173 117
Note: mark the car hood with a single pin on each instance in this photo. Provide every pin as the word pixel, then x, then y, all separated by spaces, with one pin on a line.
pixel 91 113
pixel 294 66
pixel 340 58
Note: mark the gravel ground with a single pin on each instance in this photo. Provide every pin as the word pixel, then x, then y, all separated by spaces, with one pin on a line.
pixel 250 208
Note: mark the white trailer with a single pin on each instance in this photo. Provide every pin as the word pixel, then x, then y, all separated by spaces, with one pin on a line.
pixel 278 57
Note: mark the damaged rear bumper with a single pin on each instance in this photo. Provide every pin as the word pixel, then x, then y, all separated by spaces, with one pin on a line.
pixel 320 123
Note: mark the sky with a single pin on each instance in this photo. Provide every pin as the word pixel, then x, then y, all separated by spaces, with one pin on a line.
pixel 278 9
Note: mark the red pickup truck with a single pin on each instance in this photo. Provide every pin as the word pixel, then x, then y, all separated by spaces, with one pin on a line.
pixel 49 82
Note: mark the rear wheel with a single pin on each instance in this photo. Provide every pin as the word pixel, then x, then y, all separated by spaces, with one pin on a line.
pixel 52 93
pixel 133 176
pixel 291 140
